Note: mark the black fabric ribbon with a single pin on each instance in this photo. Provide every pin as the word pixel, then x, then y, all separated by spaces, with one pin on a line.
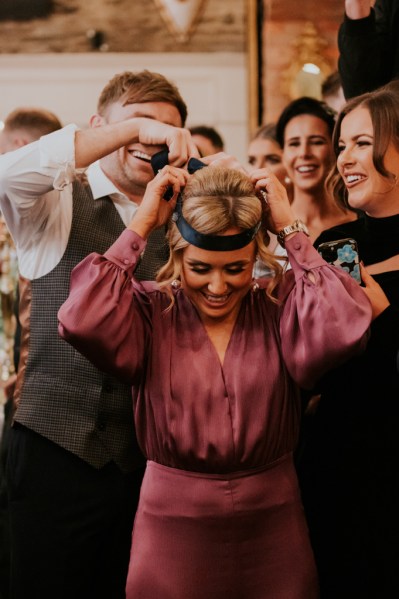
pixel 214 243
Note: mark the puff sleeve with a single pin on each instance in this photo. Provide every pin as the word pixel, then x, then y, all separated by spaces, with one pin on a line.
pixel 325 315
pixel 107 316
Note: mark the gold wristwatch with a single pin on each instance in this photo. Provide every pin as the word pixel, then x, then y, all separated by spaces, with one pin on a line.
pixel 297 227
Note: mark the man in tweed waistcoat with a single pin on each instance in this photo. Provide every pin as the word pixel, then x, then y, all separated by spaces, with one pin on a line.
pixel 74 468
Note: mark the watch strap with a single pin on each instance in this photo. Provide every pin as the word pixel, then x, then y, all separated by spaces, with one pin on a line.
pixel 296 227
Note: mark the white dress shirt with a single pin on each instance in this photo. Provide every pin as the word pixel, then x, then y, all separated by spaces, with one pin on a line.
pixel 36 199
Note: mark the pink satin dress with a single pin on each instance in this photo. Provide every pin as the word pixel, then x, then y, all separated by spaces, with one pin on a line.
pixel 220 515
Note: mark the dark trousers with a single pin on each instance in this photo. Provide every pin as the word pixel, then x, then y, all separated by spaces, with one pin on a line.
pixel 71 524
pixel 4 514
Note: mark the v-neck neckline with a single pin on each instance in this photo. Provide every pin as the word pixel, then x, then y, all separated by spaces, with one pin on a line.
pixel 209 339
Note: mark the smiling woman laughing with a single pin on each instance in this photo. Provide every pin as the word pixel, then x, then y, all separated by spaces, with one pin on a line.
pixel 350 464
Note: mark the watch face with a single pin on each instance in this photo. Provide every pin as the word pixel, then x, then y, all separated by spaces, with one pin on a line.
pixel 297 227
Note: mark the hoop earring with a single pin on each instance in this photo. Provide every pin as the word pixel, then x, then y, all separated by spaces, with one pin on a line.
pixel 176 284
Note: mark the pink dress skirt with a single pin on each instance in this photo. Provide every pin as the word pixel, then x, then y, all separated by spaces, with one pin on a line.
pixel 240 535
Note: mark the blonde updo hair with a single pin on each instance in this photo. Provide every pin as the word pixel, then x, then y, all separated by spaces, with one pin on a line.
pixel 216 199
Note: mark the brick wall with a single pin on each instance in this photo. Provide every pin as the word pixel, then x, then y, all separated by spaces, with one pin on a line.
pixel 284 21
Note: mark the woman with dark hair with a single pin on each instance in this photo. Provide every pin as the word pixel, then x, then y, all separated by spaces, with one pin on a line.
pixel 349 470
pixel 304 131
pixel 215 359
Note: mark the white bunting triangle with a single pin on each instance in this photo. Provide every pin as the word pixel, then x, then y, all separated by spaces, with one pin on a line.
pixel 180 16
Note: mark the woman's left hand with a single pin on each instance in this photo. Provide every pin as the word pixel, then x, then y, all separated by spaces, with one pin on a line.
pixel 273 195
pixel 378 299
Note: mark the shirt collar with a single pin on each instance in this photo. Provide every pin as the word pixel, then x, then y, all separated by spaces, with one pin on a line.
pixel 100 184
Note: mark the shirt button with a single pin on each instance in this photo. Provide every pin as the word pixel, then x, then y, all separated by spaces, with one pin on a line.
pixel 126 261
pixel 297 245
pixel 135 246
pixel 101 426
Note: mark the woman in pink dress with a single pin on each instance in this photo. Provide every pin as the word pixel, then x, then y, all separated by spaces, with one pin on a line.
pixel 215 360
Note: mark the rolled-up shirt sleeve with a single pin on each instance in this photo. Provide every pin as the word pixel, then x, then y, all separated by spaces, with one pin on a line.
pixel 30 172
pixel 107 316
pixel 57 156
pixel 31 181
pixel 325 315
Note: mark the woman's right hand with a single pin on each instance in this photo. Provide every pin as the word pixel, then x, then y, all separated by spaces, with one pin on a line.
pixel 273 195
pixel 154 211
pixel 378 300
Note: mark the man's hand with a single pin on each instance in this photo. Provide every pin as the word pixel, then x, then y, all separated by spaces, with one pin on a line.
pixel 357 9
pixel 100 140
pixel 180 144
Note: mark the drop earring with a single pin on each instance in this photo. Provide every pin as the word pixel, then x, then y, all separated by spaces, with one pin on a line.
pixel 176 284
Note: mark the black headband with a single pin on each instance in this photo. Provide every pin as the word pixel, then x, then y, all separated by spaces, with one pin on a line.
pixel 214 243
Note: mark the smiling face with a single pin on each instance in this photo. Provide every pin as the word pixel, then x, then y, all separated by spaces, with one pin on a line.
pixel 308 152
pixel 368 190
pixel 216 282
pixel 129 168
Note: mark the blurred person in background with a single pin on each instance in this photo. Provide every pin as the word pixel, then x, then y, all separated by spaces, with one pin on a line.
pixel 207 139
pixel 331 91
pixel 24 125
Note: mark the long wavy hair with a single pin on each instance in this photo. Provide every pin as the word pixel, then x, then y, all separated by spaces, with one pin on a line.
pixel 214 200
pixel 383 107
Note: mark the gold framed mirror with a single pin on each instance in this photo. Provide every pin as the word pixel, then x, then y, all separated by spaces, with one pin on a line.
pixel 254 51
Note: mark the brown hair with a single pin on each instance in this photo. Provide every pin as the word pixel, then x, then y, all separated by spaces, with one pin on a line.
pixel 35 121
pixel 209 133
pixel 383 106
pixel 267 131
pixel 331 84
pixel 308 106
pixel 216 199
pixel 141 87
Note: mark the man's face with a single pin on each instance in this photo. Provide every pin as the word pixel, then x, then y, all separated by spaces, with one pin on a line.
pixel 129 168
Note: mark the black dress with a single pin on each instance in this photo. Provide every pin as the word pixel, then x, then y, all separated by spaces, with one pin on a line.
pixel 349 462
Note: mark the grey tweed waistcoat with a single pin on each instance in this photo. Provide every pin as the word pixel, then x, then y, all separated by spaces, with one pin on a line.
pixel 63 396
